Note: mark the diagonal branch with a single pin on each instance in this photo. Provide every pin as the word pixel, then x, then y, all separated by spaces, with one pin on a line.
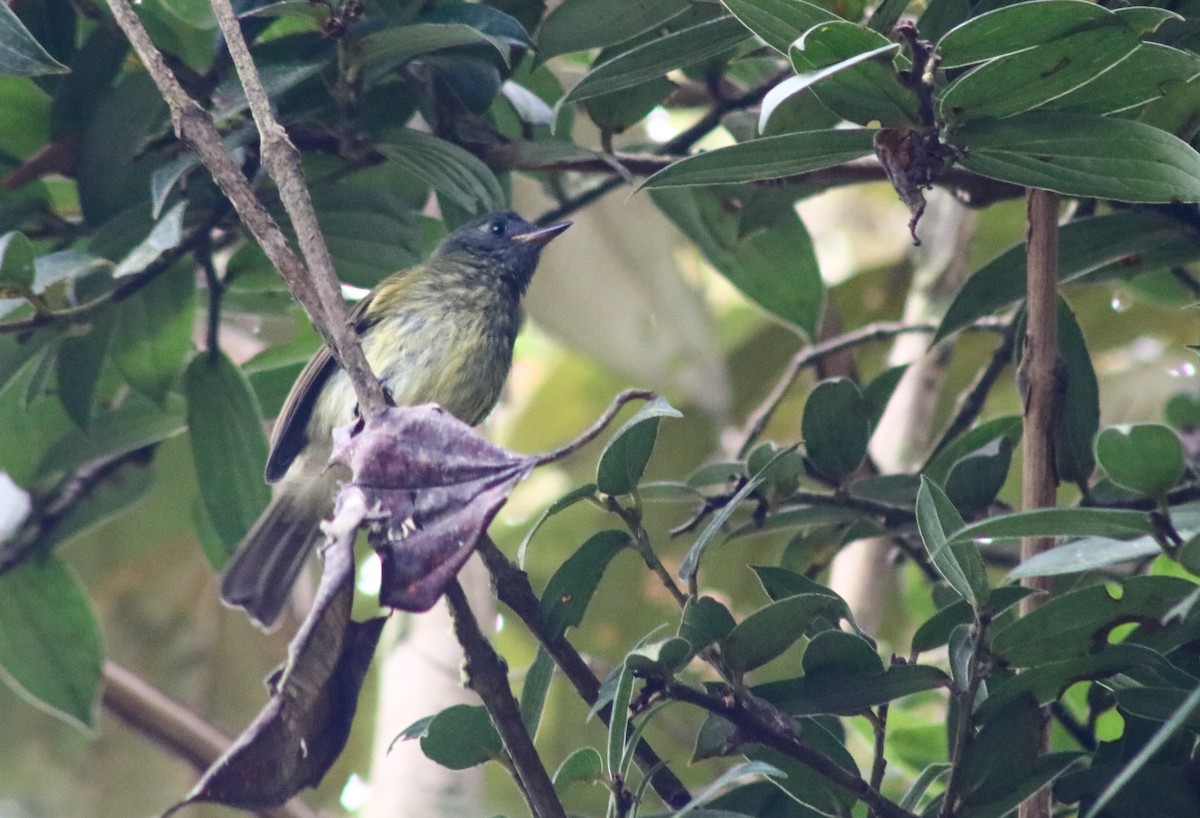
pixel 193 125
pixel 488 676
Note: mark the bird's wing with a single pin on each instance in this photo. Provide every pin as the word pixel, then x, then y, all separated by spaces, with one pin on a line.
pixel 290 435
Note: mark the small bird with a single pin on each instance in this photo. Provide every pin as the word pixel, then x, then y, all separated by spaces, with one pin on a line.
pixel 439 332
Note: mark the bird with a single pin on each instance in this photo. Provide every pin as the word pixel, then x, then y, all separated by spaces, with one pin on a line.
pixel 439 332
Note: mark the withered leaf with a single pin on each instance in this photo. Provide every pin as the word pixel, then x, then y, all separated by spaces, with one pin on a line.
pixel 432 486
pixel 304 726
pixel 912 160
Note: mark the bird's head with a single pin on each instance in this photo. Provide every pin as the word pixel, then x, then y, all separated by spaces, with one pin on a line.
pixel 500 245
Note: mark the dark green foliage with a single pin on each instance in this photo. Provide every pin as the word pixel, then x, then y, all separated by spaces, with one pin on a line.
pixel 135 307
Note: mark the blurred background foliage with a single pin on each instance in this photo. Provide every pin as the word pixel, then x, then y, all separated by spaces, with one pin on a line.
pixel 411 116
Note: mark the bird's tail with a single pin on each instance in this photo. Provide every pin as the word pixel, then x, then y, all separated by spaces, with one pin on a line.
pixel 260 576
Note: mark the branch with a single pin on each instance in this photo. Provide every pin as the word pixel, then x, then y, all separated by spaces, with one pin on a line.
pixel 192 124
pixel 680 144
pixel 512 587
pixel 487 675
pixel 811 355
pixel 762 723
pixel 126 286
pixel 972 401
pixel 171 725
pixel 1041 387
pixel 282 163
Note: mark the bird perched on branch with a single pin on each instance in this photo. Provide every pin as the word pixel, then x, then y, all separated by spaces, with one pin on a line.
pixel 439 332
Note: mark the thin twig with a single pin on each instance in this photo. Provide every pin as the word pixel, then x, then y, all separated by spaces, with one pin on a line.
pixel 972 401
pixel 966 704
pixel 597 427
pixel 641 543
pixel 487 675
pixel 879 765
pixel 125 287
pixel 180 731
pixel 680 144
pixel 512 587
pixel 810 355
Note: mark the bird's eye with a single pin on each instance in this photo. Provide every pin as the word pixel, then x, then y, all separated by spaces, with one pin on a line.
pixel 497 228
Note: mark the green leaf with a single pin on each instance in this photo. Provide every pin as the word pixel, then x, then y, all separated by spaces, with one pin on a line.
pixel 446 167
pixel 1001 753
pixel 78 365
pixel 959 563
pixel 776 267
pixel 976 479
pixel 935 631
pixel 50 649
pixel 1132 242
pixel 166 235
pixel 771 630
pixel 705 621
pixel 1079 416
pixel 1088 554
pixel 836 428
pixel 1074 623
pixel 492 22
pixel 579 25
pixel 229 449
pixel 154 331
pixel 20 54
pixel 836 651
pixel 16 265
pixel 846 694
pixel 1144 76
pixel 779 23
pixel 571 588
pixel 1048 682
pixel 1080 155
pixel 624 459
pixel 137 423
pixel 1160 738
pixel 1058 522
pixel 619 719
pixel 771 157
pixel 1142 457
pixel 461 737
pixel 584 766
pixel 691 560
pixel 372 230
pixel 879 391
pixel 399 44
pixel 569 499
pixel 121 489
pixel 1029 79
pixel 651 60
pixel 805 80
pixel 1155 703
pixel 1008 427
pixel 927 778
pixel 535 689
pixel 1045 770
pixel 722 784
pixel 860 91
pixel 1015 28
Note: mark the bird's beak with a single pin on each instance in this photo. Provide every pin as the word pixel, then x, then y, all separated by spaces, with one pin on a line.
pixel 541 235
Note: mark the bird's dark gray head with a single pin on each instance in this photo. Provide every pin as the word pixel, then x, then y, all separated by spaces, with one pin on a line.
pixel 502 245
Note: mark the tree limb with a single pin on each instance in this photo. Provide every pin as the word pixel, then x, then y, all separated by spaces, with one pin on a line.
pixel 488 676
pixel 184 734
pixel 193 125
